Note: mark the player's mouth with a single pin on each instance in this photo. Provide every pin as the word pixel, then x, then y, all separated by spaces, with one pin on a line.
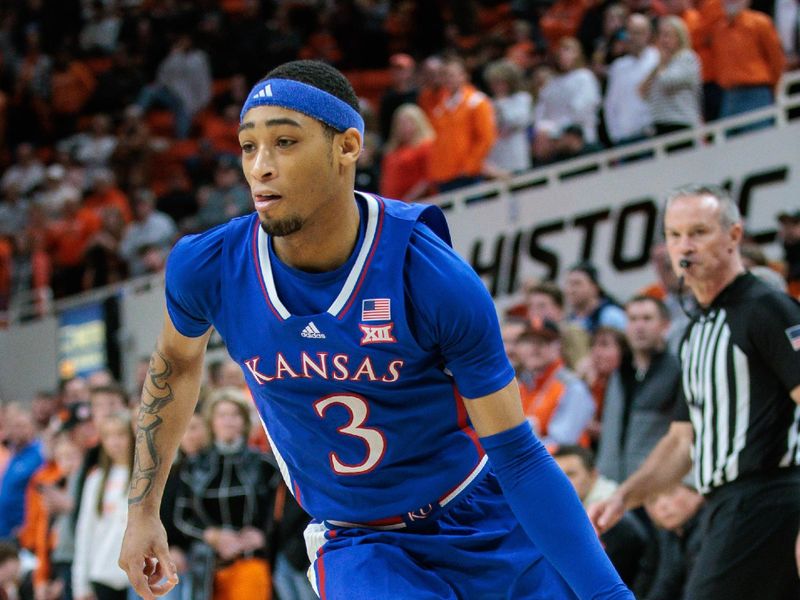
pixel 265 201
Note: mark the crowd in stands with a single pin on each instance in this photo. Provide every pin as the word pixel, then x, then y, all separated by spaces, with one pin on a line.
pixel 118 118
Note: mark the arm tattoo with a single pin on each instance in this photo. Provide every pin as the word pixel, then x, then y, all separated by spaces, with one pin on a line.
pixel 157 393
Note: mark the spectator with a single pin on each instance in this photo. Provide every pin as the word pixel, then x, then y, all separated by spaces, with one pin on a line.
pixel 32 90
pixel 402 90
pixel 100 34
pixel 787 23
pixel 183 84
pixel 677 514
pixel 26 174
pixel 789 235
pixel 609 43
pixel 105 193
pixel 607 349
pixel 103 261
pixel 133 153
pixel 628 116
pixel 511 331
pixel 672 89
pixel 72 84
pixel 56 189
pixel 103 402
pixel 545 300
pixel 195 439
pixel 13 211
pixel 747 56
pixel 56 507
pixel 641 394
pixel 229 197
pixel 63 500
pixel 406 155
pixel 699 19
pixel 25 458
pixel 557 403
pixel 94 148
pixel 229 548
pixel 513 114
pixel 571 97
pixel 149 228
pixel 627 541
pixel 589 305
pixel 431 88
pixel 102 515
pixel 562 20
pixel 9 571
pixel 464 123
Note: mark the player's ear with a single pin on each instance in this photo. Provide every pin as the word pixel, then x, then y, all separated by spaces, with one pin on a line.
pixel 348 145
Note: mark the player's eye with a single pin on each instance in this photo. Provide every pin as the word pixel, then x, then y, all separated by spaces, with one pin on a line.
pixel 284 142
pixel 248 147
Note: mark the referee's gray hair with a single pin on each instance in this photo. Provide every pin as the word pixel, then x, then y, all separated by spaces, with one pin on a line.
pixel 729 213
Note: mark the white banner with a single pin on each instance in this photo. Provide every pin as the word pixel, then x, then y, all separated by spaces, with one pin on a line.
pixel 609 213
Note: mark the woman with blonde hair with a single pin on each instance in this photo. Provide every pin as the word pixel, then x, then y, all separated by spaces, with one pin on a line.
pixel 224 506
pixel 673 89
pixel 404 170
pixel 103 515
pixel 571 98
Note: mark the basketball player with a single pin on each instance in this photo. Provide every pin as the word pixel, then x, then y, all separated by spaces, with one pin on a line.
pixel 374 356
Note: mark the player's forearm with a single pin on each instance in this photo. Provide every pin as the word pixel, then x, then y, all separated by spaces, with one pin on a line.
pixel 666 465
pixel 168 400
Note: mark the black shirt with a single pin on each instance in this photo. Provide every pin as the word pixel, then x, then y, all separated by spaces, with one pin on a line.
pixel 739 366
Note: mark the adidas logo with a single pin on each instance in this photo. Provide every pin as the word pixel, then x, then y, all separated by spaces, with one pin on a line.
pixel 265 92
pixel 311 331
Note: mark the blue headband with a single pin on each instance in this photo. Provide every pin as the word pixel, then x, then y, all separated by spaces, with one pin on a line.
pixel 306 99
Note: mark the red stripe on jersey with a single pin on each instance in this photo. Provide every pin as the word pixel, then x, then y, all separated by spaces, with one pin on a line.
pixel 259 273
pixel 354 294
pixel 388 521
pixel 297 493
pixel 463 423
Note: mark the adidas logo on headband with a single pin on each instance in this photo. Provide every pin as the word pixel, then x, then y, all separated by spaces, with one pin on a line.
pixel 266 92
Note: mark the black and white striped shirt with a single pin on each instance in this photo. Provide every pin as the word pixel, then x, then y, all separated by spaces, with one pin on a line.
pixel 739 366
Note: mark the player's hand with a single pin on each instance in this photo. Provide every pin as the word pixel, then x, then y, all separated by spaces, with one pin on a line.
pixel 145 556
pixel 606 513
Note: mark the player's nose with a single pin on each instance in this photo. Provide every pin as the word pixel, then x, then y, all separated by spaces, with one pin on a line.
pixel 263 167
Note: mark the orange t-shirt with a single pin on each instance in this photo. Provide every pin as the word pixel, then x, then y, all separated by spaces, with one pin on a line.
pixel 403 168
pixel 465 133
pixel 747 51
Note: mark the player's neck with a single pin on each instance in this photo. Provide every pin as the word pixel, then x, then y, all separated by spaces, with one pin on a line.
pixel 325 242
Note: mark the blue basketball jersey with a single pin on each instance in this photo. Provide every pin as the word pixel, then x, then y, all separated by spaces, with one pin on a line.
pixel 365 420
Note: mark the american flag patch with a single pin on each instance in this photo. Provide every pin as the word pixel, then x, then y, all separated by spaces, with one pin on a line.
pixel 793 333
pixel 376 309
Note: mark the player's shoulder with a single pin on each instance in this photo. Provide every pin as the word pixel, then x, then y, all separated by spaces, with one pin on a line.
pixel 209 242
pixel 424 218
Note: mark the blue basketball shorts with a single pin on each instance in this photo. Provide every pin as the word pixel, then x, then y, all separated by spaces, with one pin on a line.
pixel 475 550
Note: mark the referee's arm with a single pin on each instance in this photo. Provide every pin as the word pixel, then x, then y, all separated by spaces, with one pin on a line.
pixel 666 465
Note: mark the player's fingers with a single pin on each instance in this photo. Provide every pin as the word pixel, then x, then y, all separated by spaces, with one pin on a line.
pixel 137 577
pixel 165 577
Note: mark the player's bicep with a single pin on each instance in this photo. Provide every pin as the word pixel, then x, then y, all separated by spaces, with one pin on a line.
pixel 179 347
pixel 496 412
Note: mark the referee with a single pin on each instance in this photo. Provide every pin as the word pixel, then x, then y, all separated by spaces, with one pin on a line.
pixel 740 420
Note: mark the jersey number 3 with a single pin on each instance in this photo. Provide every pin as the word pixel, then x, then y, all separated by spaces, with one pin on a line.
pixel 373 438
